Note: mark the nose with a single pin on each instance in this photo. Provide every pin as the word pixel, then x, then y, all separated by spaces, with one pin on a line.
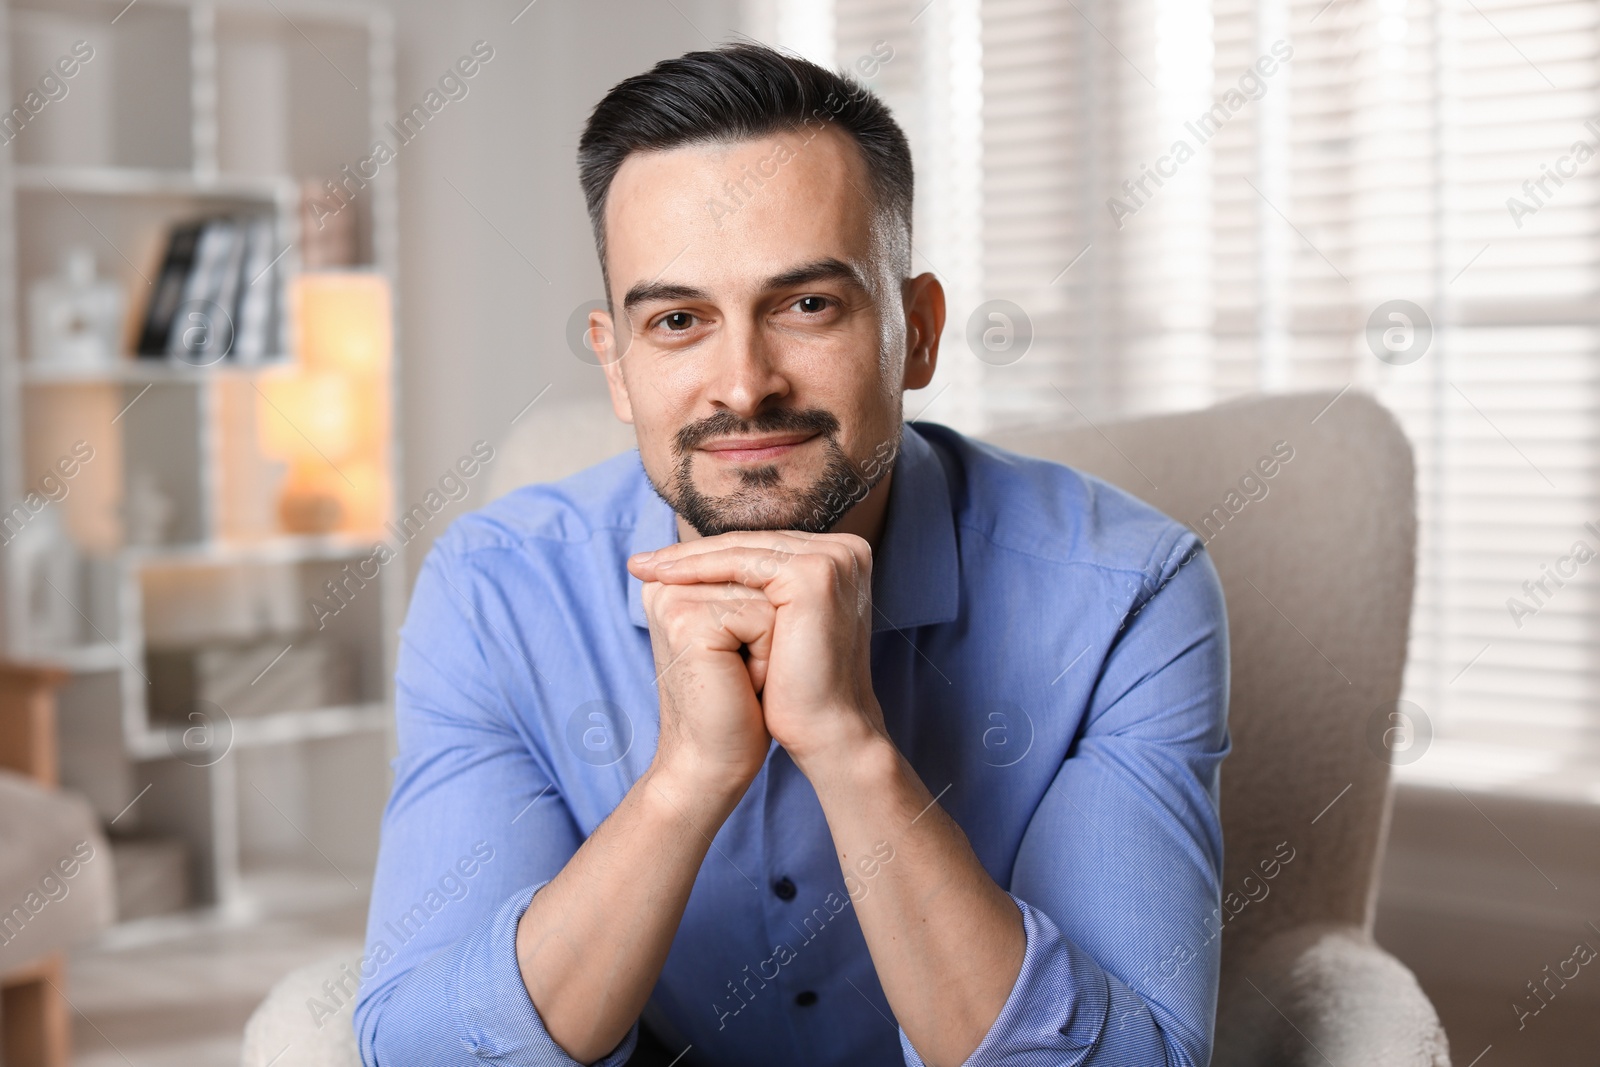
pixel 747 375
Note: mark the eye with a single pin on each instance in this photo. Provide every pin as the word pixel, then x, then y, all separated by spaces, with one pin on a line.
pixel 812 305
pixel 677 321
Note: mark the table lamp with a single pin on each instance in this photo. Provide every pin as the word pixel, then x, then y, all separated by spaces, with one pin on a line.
pixel 328 420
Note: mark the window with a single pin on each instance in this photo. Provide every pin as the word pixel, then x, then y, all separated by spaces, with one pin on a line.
pixel 1192 202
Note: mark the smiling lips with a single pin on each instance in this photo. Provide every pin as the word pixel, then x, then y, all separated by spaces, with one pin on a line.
pixel 755 449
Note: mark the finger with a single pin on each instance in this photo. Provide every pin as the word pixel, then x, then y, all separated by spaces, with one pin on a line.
pixel 729 606
pixel 747 618
pixel 757 660
pixel 644 564
pixel 730 601
pixel 778 541
pixel 750 567
pixel 853 558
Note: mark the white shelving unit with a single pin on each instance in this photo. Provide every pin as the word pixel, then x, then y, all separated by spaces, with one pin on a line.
pixel 190 109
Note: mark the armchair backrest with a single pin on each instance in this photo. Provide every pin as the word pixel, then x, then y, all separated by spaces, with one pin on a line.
pixel 1306 505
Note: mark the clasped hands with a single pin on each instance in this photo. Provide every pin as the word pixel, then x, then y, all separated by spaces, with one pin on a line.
pixel 761 636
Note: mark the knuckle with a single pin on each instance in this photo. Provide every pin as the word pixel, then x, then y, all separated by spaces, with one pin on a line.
pixel 858 546
pixel 671 615
pixel 817 566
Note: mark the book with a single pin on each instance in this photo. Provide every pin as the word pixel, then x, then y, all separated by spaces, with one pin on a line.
pixel 224 335
pixel 193 336
pixel 168 292
pixel 218 293
pixel 254 336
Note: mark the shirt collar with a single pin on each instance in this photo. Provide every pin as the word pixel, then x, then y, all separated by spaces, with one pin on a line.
pixel 915 576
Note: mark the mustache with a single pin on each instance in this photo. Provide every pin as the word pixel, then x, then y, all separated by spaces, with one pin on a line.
pixel 778 420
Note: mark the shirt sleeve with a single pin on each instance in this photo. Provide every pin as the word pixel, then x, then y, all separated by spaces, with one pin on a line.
pixel 473 828
pixel 1118 878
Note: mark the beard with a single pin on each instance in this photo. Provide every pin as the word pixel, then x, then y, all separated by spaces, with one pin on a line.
pixel 762 501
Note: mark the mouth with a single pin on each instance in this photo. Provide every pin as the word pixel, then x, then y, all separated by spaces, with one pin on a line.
pixel 755 449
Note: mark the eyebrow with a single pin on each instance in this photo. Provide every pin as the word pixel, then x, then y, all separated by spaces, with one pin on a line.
pixel 649 292
pixel 828 269
pixel 823 270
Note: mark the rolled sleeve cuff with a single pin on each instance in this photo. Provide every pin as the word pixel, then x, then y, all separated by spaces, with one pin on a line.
pixel 1057 1009
pixel 497 1019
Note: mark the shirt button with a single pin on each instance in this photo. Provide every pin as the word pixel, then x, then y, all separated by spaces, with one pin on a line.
pixel 805 999
pixel 784 888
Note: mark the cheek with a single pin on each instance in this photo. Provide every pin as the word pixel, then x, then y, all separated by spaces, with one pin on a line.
pixel 660 402
pixel 892 338
pixel 662 465
pixel 660 456
pixel 666 387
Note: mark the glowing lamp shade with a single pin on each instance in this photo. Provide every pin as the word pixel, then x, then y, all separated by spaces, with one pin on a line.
pixel 328 420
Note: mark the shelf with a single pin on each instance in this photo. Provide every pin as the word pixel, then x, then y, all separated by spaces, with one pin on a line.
pixel 310 725
pixel 204 110
pixel 307 888
pixel 131 371
pixel 290 548
pixel 284 727
pixel 80 659
pixel 136 181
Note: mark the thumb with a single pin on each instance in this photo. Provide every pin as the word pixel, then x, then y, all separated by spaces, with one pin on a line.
pixel 758 657
pixel 751 624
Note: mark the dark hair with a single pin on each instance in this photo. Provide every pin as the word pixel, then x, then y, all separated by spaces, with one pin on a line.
pixel 733 93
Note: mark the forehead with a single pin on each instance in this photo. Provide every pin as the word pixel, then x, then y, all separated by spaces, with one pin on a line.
pixel 722 216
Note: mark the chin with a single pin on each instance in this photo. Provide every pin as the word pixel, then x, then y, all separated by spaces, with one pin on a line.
pixel 714 515
pixel 769 496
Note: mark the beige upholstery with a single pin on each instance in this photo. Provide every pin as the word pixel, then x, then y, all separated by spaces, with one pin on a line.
pixel 56 884
pixel 549 443
pixel 1318 578
pixel 285 1032
pixel 42 909
pixel 56 890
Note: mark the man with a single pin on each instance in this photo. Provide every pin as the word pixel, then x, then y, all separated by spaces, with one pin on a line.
pixel 806 735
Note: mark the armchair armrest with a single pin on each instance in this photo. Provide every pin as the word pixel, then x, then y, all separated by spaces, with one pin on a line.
pixel 305 1019
pixel 1320 994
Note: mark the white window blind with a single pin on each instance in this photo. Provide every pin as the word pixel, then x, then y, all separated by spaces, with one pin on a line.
pixel 1385 160
pixel 1507 419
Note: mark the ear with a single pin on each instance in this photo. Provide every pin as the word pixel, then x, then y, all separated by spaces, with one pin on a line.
pixel 610 350
pixel 924 303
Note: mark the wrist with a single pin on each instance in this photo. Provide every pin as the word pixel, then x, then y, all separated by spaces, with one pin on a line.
pixel 702 796
pixel 860 760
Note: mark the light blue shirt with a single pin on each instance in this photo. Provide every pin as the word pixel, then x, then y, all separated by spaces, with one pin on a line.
pixel 1050 654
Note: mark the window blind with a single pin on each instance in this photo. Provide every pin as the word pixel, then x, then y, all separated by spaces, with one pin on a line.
pixel 1442 152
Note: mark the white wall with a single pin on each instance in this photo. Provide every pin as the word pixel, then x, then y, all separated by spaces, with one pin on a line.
pixel 481 333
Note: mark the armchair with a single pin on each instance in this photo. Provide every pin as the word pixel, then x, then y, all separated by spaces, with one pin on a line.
pixel 1316 561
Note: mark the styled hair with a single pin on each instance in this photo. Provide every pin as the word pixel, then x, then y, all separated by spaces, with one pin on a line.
pixel 732 93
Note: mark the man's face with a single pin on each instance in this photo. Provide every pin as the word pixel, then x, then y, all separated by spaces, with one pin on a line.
pixel 759 303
